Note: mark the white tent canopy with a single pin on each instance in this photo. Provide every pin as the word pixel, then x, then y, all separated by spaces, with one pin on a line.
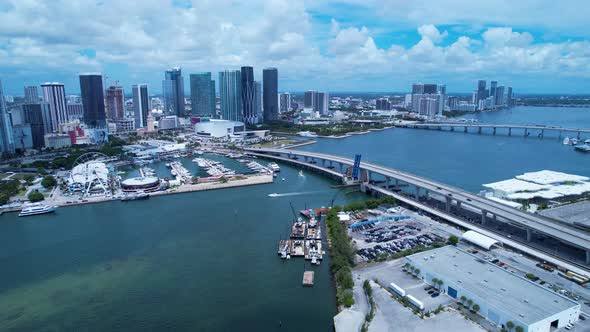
pixel 479 239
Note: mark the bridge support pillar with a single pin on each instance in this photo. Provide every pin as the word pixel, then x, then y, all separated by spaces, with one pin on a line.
pixel 452 128
pixel 323 162
pixel 479 130
pixel 465 129
pixel 529 235
pixel 578 135
pixel 484 216
pixel 439 128
pixel 448 205
pixel 560 134
pixel 509 131
pixel 305 158
pixel 542 134
pixel 417 193
pixel 494 130
pixel 387 180
pixel 341 168
pixel 587 256
pixel 526 132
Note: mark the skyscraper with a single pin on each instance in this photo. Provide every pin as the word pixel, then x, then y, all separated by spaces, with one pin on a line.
pixel 31 94
pixel 258 100
pixel 54 94
pixel 6 138
pixel 285 102
pixel 93 100
pixel 213 99
pixel 248 95
pixel 75 111
pixel 309 99
pixel 509 101
pixel 430 88
pixel 493 85
pixel 115 102
pixel 33 116
pixel 173 89
pixel 499 97
pixel 230 86
pixel 321 102
pixel 270 94
pixel 481 90
pixel 141 104
pixel 202 98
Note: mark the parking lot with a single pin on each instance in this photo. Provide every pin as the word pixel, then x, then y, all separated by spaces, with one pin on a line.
pixel 392 236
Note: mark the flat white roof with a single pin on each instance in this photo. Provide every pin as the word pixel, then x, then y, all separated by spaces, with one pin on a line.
pixel 505 202
pixel 514 186
pixel 549 177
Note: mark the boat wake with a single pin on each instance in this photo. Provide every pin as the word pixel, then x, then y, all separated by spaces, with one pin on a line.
pixel 295 193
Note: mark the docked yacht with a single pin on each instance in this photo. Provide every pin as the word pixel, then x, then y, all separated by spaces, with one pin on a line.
pixel 582 148
pixel 566 141
pixel 35 209
pixel 274 167
pixel 307 134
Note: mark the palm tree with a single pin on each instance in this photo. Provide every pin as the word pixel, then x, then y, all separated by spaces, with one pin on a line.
pixel 412 268
pixel 463 299
pixel 440 283
pixel 509 325
pixel 434 281
pixel 417 271
pixel 469 303
pixel 407 265
pixel 475 308
pixel 519 329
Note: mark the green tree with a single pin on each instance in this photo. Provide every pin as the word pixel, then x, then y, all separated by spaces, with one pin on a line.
pixel 407 265
pixel 29 178
pixel 476 308
pixel 48 181
pixel 463 299
pixel 36 196
pixel 509 325
pixel 519 329
pixel 417 272
pixel 41 171
pixel 453 240
pixel 469 303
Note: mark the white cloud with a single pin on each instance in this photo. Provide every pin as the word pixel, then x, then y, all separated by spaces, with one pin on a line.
pixel 500 37
pixel 430 32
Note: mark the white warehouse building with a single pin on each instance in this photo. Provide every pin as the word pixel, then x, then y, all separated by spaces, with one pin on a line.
pixel 501 295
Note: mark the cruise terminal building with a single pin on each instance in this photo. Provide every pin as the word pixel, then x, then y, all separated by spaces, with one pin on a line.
pixel 501 295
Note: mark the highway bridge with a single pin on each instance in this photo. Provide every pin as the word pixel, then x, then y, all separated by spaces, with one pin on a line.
pixel 565 245
pixel 526 130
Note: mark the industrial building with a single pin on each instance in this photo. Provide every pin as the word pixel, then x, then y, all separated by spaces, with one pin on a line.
pixel 501 295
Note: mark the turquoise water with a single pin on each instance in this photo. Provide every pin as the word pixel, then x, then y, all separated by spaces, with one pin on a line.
pixel 468 160
pixel 207 261
pixel 203 261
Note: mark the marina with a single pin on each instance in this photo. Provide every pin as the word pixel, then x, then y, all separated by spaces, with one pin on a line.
pixel 305 238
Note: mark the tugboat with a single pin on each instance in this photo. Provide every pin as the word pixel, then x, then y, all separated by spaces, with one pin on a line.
pixel 35 209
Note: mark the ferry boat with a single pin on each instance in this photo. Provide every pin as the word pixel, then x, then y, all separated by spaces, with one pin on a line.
pixel 35 209
pixel 274 167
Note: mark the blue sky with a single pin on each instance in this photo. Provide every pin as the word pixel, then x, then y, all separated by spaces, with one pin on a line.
pixel 333 45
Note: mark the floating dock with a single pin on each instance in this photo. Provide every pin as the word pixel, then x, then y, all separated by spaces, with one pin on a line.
pixel 297 248
pixel 284 244
pixel 298 230
pixel 313 246
pixel 313 233
pixel 308 278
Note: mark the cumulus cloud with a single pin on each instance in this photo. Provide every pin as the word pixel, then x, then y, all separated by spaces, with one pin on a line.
pixel 40 39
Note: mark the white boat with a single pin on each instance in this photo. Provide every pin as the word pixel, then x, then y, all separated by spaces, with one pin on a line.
pixel 301 173
pixel 273 195
pixel 582 148
pixel 587 141
pixel 574 141
pixel 274 167
pixel 34 209
pixel 282 179
pixel 307 134
pixel 566 141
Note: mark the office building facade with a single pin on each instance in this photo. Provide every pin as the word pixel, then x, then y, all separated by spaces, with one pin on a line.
pixel 248 90
pixel 115 102
pixel 230 86
pixel 173 90
pixel 34 116
pixel 322 100
pixel 91 90
pixel 285 102
pixel 75 111
pixel 141 105
pixel 309 99
pixel 54 94
pixel 31 94
pixel 202 94
pixel 270 94
pixel 6 137
pixel 258 100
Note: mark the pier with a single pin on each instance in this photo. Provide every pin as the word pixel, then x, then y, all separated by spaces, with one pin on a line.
pixel 508 129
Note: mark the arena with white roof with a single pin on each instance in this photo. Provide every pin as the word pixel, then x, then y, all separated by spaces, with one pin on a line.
pixel 544 184
pixel 90 177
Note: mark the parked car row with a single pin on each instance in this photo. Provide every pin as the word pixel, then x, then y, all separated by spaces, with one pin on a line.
pixel 396 246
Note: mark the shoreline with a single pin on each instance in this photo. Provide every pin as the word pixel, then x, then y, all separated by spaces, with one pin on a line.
pixel 250 180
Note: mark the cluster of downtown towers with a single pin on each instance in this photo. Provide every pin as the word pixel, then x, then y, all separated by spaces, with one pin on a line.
pixel 241 97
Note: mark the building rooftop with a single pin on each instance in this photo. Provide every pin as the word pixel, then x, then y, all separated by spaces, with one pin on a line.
pixel 514 186
pixel 502 290
pixel 551 177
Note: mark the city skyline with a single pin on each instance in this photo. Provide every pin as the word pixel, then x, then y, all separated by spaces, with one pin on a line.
pixel 332 46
